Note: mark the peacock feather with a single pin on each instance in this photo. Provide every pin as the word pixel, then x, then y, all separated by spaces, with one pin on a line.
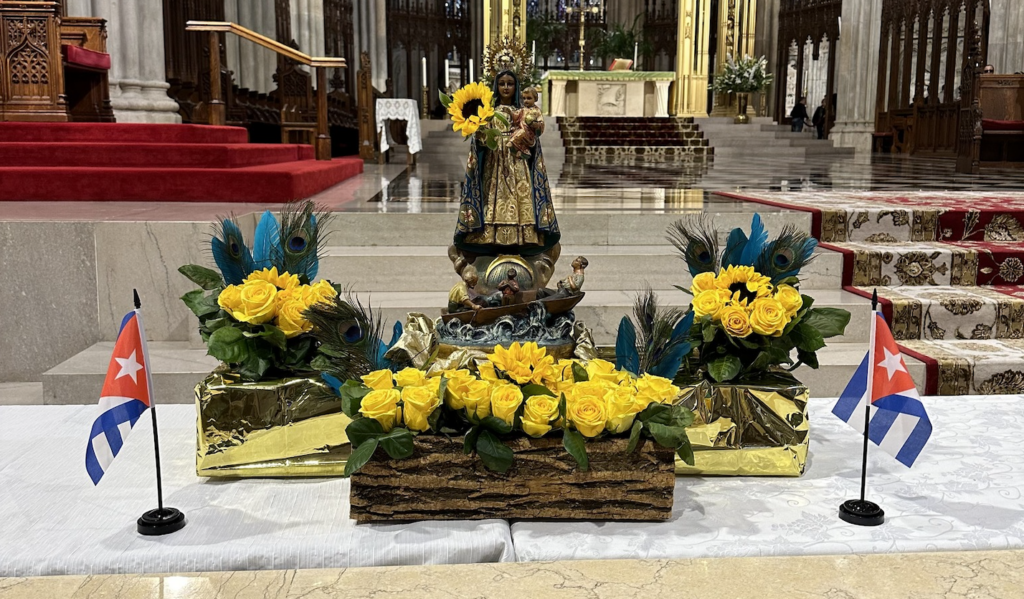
pixel 696 239
pixel 301 240
pixel 786 255
pixel 655 340
pixel 232 256
pixel 350 336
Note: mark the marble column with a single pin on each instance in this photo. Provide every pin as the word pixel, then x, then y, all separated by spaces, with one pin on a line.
pixel 369 26
pixel 766 43
pixel 138 77
pixel 857 75
pixel 1006 36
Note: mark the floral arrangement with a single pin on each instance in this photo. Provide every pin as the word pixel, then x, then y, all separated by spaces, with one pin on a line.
pixel 471 109
pixel 749 314
pixel 746 75
pixel 252 314
pixel 517 391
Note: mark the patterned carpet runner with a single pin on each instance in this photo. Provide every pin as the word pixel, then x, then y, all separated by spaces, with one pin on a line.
pixel 949 270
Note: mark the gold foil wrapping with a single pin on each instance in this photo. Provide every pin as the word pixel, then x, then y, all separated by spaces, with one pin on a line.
pixel 756 429
pixel 287 427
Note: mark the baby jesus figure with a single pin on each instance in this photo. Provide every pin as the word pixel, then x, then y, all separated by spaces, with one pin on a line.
pixel 527 123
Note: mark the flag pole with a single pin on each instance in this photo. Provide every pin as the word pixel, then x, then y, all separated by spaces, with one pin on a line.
pixel 160 521
pixel 863 512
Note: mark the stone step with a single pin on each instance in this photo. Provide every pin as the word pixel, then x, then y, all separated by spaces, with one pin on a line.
pixel 612 267
pixel 79 380
pixel 578 228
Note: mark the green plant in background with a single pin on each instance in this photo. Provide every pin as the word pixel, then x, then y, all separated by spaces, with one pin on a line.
pixel 744 76
pixel 546 33
pixel 619 42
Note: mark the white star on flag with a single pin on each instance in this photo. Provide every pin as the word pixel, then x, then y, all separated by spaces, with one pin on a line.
pixel 892 363
pixel 129 367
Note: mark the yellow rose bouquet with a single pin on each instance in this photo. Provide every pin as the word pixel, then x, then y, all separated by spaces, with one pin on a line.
pixel 748 314
pixel 252 313
pixel 519 390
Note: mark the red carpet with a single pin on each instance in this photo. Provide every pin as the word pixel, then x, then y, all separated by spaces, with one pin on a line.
pixel 175 163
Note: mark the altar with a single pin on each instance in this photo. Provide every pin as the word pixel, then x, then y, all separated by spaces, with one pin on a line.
pixel 607 93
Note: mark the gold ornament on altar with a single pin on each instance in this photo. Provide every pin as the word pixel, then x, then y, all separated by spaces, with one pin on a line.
pixel 508 55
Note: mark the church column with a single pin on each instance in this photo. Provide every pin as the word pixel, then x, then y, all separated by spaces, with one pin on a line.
pixel 369 27
pixel 1006 36
pixel 857 74
pixel 138 77
pixel 766 41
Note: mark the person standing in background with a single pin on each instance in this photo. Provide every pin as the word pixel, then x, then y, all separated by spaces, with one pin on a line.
pixel 818 120
pixel 799 115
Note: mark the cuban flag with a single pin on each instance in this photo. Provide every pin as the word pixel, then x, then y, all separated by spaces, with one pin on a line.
pixel 125 396
pixel 899 424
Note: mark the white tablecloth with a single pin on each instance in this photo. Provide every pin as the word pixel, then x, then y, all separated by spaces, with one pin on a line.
pixel 53 521
pixel 399 110
pixel 966 492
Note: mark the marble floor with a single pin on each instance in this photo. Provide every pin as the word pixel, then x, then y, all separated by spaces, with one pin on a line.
pixel 954 575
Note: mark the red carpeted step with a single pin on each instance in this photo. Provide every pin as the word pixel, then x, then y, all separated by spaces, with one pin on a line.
pixel 281 182
pixel 85 154
pixel 121 132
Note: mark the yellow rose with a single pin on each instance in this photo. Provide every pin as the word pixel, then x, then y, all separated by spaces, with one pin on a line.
pixel 790 299
pixel 320 293
pixel 486 370
pixel 378 379
pixel 622 409
pixel 290 319
pixel 702 282
pixel 588 414
pixel 382 406
pixel 505 400
pixel 257 303
pixel 709 303
pixel 537 416
pixel 735 321
pixel 654 389
pixel 477 399
pixel 602 370
pixel 456 390
pixel 768 317
pixel 419 403
pixel 281 281
pixel 410 377
pixel 230 298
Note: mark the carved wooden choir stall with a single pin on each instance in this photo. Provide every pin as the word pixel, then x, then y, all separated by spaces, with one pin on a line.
pixel 54 66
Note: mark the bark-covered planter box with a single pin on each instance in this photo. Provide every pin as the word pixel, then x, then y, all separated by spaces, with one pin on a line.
pixel 440 482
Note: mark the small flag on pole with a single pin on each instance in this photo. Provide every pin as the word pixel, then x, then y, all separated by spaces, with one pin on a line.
pixel 124 398
pixel 899 423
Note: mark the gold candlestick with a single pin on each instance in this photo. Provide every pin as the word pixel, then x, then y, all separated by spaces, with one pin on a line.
pixel 583 13
pixel 425 103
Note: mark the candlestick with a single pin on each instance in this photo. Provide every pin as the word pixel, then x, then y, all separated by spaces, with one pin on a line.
pixel 447 76
pixel 425 103
pixel 424 71
pixel 471 78
pixel 636 47
pixel 533 55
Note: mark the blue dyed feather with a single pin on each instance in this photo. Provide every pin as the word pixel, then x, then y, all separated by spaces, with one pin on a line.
pixel 682 328
pixel 232 256
pixel 267 241
pixel 626 356
pixel 734 247
pixel 670 363
pixel 332 382
pixel 755 243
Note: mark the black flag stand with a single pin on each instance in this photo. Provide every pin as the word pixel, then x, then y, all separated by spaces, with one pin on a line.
pixel 162 520
pixel 861 511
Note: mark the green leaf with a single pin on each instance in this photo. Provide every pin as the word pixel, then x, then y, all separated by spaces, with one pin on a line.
pixel 361 430
pixel 709 331
pixel 531 390
pixel 228 345
pixel 495 455
pixel 685 290
pixel 398 443
pixel 470 444
pixel 320 362
pixel 496 424
pixel 655 412
pixel 747 343
pixel 352 394
pixel 808 302
pixel 667 436
pixel 634 436
pixel 359 457
pixel 725 368
pixel 829 322
pixel 200 275
pixel 561 406
pixel 807 338
pixel 808 357
pixel 791 281
pixel 501 118
pixel 685 452
pixel 200 303
pixel 579 373
pixel 770 357
pixel 270 334
pixel 682 416
pixel 442 389
pixel 577 448
pixel 445 100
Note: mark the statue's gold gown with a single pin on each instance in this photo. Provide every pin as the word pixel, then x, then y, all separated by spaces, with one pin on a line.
pixel 509 217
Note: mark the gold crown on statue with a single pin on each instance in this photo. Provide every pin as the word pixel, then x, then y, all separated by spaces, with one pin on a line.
pixel 507 55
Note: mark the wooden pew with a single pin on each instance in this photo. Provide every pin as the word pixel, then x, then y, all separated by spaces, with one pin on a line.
pixel 992 123
pixel 86 64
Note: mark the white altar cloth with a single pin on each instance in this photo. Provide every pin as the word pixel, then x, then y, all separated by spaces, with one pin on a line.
pixel 53 521
pixel 966 492
pixel 399 110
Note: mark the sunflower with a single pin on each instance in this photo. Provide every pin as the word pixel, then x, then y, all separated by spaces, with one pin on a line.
pixel 744 284
pixel 471 107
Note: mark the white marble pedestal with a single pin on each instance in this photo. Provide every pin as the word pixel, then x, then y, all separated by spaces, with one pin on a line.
pixel 608 93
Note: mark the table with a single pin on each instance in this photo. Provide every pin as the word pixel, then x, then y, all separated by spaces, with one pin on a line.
pixel 394 109
pixel 607 93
